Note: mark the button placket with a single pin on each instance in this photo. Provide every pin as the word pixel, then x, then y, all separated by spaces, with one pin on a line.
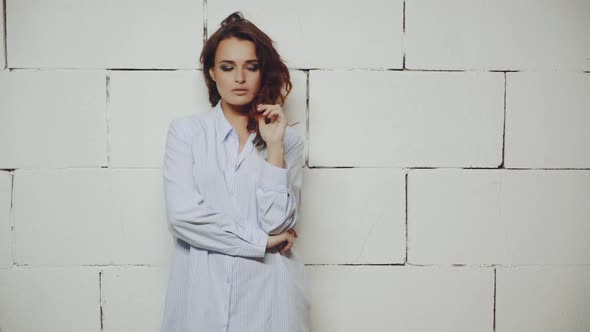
pixel 231 164
pixel 231 168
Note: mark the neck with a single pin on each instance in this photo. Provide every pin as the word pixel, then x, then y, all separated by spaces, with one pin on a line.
pixel 235 114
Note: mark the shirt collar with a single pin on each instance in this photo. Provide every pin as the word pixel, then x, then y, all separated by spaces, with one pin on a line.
pixel 222 125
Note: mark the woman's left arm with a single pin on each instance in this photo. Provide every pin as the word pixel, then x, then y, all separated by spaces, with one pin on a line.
pixel 278 190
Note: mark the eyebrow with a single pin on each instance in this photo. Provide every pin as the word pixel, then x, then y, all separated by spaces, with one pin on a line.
pixel 233 62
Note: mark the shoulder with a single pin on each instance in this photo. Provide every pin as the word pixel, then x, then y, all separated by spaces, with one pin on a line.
pixel 189 126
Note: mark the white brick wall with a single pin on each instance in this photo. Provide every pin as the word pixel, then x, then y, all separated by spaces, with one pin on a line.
pixel 447 183
pixel 547 120
pixel 499 35
pixel 5 222
pixel 563 291
pixel 52 118
pixel 361 210
pixel 50 299
pixel 104 34
pixel 141 105
pixel 90 216
pixel 391 118
pixel 466 216
pixel 407 298
pixel 133 298
pixel 2 40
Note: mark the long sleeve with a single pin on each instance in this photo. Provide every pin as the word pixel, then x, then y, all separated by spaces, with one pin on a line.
pixel 188 214
pixel 278 190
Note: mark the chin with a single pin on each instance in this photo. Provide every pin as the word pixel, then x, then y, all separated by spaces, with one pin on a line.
pixel 238 101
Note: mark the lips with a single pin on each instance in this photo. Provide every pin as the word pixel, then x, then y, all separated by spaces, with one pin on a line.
pixel 240 91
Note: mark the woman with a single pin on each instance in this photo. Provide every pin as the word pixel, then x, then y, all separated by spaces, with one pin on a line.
pixel 232 180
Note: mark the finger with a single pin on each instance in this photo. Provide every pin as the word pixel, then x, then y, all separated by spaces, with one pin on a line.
pixel 263 107
pixel 285 251
pixel 288 239
pixel 287 247
pixel 275 115
pixel 280 115
pixel 270 118
pixel 271 108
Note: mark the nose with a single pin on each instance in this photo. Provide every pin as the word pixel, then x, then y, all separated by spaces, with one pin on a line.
pixel 239 76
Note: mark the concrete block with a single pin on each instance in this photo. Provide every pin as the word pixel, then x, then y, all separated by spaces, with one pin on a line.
pixel 547 118
pixel 399 119
pixel 5 222
pixel 133 298
pixel 498 217
pixel 104 34
pixel 90 216
pixel 352 216
pixel 543 299
pixel 401 298
pixel 53 119
pixel 499 35
pixel 50 299
pixel 141 107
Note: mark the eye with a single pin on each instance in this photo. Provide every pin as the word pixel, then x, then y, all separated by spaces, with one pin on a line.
pixel 253 68
pixel 225 68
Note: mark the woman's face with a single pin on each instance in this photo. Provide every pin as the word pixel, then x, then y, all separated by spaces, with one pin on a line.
pixel 236 67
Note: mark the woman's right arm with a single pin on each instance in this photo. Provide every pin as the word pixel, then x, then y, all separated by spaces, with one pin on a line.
pixel 189 216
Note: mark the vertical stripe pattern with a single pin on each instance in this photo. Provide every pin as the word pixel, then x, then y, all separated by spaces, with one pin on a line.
pixel 222 204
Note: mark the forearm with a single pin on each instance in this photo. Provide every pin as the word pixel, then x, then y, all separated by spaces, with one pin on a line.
pixel 276 154
pixel 279 186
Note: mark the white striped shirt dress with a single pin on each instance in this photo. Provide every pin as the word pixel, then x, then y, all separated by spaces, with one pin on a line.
pixel 221 207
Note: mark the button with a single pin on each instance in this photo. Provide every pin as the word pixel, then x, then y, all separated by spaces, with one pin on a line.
pixel 227 280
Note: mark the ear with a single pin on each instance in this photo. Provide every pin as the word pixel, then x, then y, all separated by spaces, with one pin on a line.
pixel 212 73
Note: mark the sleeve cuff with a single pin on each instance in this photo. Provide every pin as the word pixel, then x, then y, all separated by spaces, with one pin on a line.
pixel 259 240
pixel 273 177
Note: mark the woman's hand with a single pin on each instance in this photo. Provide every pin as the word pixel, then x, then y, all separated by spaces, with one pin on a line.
pixel 274 131
pixel 287 236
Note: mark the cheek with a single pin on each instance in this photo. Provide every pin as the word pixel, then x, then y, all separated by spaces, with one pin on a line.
pixel 222 82
pixel 256 81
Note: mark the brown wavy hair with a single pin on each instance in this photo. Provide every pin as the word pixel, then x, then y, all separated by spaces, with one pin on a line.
pixel 275 81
